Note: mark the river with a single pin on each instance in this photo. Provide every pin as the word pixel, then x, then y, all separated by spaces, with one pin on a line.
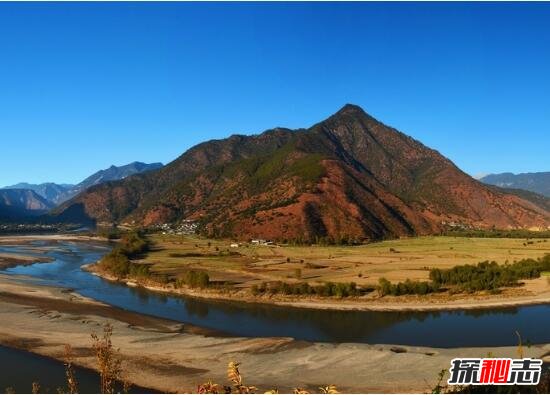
pixel 21 368
pixel 491 327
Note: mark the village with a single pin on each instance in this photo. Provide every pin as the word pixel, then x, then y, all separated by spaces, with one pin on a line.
pixel 188 228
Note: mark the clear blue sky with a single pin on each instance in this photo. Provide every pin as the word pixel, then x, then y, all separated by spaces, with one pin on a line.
pixel 87 85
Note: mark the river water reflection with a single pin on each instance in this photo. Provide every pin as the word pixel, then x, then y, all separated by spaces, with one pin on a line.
pixel 492 327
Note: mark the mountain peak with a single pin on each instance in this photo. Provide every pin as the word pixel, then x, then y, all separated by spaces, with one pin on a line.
pixel 347 176
pixel 351 109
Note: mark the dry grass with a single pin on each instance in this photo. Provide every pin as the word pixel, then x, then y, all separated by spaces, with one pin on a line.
pixel 108 362
pixel 72 384
pixel 396 260
pixel 238 387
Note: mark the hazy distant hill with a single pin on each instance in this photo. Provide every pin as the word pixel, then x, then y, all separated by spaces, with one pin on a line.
pixel 22 203
pixel 114 173
pixel 534 182
pixel 50 191
pixel 347 176
pixel 58 193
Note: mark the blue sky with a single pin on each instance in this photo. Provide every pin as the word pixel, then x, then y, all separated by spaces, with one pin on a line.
pixel 87 85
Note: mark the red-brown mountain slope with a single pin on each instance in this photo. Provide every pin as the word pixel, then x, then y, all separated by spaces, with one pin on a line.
pixel 349 176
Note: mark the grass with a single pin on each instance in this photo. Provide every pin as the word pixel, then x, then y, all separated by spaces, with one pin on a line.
pixel 395 260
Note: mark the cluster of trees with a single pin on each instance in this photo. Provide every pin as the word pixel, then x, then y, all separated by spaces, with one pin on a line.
pixel 109 233
pixel 340 290
pixel 194 279
pixel 119 265
pixel 342 240
pixel 132 244
pixel 485 276
pixel 490 275
pixel 407 287
pixel 510 234
pixel 118 262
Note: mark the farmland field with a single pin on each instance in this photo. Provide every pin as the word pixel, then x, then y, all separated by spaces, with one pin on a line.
pixel 396 260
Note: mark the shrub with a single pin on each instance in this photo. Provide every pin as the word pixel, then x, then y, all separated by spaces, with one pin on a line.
pixel 489 275
pixel 485 276
pixel 132 244
pixel 303 288
pixel 108 360
pixel 405 288
pixel 116 263
pixel 110 234
pixel 194 279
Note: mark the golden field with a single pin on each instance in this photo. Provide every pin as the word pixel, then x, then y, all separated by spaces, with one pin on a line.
pixel 395 260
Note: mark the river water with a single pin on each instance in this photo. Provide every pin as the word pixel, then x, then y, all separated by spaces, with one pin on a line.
pixel 492 327
pixel 20 369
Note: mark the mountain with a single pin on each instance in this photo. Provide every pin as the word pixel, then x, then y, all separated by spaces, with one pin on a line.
pixel 347 176
pixel 539 200
pixel 534 182
pixel 59 193
pixel 116 173
pixel 22 203
pixel 55 193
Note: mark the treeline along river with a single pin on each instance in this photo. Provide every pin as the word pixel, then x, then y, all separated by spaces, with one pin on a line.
pixel 491 327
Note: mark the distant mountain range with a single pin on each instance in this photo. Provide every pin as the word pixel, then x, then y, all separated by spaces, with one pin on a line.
pixel 17 204
pixel 349 176
pixel 534 182
pixel 51 194
pixel 54 193
pixel 115 173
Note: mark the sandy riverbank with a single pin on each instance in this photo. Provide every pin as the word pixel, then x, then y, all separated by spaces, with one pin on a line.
pixel 10 259
pixel 24 239
pixel 169 356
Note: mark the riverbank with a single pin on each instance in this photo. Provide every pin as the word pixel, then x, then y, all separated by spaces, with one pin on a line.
pixel 170 357
pixel 278 274
pixel 25 239
pixel 533 292
pixel 12 260
pixel 8 260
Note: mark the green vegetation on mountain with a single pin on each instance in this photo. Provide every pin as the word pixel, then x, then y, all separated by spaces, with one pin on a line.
pixel 348 177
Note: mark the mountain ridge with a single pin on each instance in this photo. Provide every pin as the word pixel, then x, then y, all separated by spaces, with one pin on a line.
pixel 48 190
pixel 349 176
pixel 59 193
pixel 16 204
pixel 538 182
